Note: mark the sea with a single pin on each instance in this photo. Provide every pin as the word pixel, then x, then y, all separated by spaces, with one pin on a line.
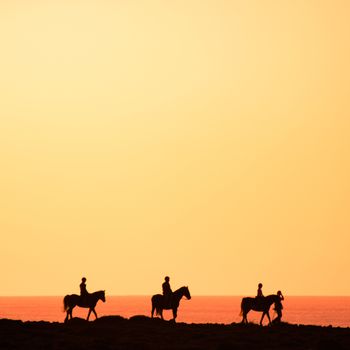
pixel 322 311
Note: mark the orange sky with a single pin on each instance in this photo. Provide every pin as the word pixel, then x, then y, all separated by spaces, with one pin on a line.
pixel 206 140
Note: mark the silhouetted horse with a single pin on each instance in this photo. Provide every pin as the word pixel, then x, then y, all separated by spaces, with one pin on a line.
pixel 261 304
pixel 158 302
pixel 89 301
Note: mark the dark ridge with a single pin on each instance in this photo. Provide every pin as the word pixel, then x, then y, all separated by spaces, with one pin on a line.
pixel 141 332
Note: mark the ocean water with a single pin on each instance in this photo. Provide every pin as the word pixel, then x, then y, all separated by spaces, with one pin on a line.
pixel 323 311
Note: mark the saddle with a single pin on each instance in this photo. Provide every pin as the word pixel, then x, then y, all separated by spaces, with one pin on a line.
pixel 259 302
pixel 167 301
pixel 84 300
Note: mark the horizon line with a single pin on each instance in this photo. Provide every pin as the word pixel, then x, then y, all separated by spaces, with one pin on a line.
pixel 149 295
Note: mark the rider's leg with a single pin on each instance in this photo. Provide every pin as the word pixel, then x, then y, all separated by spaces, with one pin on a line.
pixel 279 316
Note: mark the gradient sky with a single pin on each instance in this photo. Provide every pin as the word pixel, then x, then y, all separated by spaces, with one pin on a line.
pixel 205 140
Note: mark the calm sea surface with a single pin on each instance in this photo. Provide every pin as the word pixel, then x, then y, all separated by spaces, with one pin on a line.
pixel 322 311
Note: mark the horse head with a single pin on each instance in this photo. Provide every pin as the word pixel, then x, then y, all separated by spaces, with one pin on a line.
pixel 186 292
pixel 101 295
pixel 273 298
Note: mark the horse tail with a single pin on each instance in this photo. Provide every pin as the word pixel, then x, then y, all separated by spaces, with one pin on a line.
pixel 158 310
pixel 155 305
pixel 65 303
pixel 241 313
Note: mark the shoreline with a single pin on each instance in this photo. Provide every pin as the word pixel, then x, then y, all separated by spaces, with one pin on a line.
pixel 142 332
pixel 165 321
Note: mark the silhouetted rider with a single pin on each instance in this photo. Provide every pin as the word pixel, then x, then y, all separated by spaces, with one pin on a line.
pixel 83 291
pixel 259 293
pixel 167 292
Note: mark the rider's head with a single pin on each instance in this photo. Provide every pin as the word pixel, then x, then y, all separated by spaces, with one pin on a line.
pixel 167 278
pixel 260 285
pixel 83 279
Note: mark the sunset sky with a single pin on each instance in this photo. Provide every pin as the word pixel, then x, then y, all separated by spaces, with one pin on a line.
pixel 204 140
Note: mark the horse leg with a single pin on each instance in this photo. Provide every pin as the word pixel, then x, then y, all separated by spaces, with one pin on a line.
pixel 161 313
pixel 67 315
pixel 245 319
pixel 88 315
pixel 71 313
pixel 93 310
pixel 153 308
pixel 174 314
pixel 268 316
pixel 262 317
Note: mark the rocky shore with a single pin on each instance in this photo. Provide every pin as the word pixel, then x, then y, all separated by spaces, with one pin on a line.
pixel 140 332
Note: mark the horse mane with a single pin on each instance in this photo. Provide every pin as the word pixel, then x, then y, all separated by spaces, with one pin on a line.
pixel 98 292
pixel 180 289
pixel 271 296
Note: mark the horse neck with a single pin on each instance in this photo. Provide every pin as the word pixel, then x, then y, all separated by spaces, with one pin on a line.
pixel 179 293
pixel 272 298
pixel 97 294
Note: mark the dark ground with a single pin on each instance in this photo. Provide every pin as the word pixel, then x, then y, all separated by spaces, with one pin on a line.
pixel 140 332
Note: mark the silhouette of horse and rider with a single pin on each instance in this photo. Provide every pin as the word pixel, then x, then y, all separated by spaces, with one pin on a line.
pixel 169 300
pixel 262 304
pixel 85 300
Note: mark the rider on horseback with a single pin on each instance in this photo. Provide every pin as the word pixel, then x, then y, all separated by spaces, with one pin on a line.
pixel 167 292
pixel 83 291
pixel 259 293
